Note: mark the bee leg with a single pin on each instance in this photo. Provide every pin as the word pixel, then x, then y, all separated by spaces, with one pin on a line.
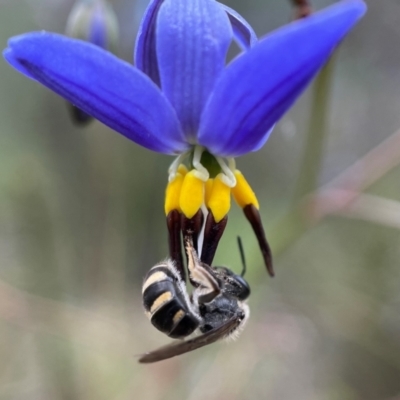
pixel 191 228
pixel 203 277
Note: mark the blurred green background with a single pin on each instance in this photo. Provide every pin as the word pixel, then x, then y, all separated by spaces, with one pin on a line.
pixel 81 222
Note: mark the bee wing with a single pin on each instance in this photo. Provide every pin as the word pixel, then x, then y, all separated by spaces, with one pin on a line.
pixel 178 348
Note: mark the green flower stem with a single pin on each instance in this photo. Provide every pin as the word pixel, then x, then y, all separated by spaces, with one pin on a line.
pixel 317 131
pixel 298 219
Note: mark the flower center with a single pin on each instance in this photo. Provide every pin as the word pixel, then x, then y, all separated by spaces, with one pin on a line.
pixel 198 199
pixel 204 182
pixel 205 166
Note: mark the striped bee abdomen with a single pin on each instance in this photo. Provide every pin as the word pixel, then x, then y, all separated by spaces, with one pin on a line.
pixel 166 301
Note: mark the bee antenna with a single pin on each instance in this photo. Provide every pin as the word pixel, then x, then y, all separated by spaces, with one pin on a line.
pixel 241 251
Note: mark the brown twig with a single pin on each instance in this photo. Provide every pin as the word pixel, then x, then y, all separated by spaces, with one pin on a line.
pixel 302 8
pixel 367 207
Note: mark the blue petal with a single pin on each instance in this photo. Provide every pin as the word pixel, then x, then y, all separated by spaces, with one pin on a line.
pixel 100 84
pixel 193 38
pixel 242 30
pixel 8 55
pixel 145 49
pixel 262 84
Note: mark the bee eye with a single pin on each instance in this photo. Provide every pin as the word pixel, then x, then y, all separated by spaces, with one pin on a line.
pixel 207 327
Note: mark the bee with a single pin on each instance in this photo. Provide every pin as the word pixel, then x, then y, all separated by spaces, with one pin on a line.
pixel 216 306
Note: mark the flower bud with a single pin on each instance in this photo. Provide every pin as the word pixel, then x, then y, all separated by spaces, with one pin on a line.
pixel 93 21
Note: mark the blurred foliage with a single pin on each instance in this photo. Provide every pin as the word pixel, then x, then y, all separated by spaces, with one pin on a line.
pixel 81 221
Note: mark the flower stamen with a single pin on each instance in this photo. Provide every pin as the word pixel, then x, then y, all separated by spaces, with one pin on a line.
pixel 228 177
pixel 191 195
pixel 243 193
pixel 173 190
pixel 253 216
pixel 212 234
pixel 219 199
pixel 174 241
pixel 173 168
pixel 247 200
pixel 200 171
pixel 194 195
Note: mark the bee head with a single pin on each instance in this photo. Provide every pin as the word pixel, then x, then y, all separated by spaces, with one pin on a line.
pixel 233 284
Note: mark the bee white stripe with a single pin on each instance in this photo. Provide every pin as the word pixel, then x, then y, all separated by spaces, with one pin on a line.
pixel 156 277
pixel 160 301
pixel 178 316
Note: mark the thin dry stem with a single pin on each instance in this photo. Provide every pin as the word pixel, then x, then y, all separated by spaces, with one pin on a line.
pixel 302 8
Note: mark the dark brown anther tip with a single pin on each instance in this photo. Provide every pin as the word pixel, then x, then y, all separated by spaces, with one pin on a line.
pixel 174 241
pixel 192 227
pixel 253 216
pixel 212 234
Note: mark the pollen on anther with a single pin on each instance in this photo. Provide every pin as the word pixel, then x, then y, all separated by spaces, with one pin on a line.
pixel 243 193
pixel 219 201
pixel 192 194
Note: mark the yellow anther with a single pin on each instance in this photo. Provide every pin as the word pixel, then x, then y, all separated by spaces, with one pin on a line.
pixel 192 194
pixel 208 189
pixel 219 201
pixel 242 192
pixel 172 194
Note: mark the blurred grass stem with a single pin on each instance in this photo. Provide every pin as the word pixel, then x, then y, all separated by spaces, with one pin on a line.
pixel 314 207
pixel 293 224
pixel 366 207
pixel 317 131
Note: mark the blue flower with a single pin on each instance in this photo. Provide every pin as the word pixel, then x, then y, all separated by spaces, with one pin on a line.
pixel 182 99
